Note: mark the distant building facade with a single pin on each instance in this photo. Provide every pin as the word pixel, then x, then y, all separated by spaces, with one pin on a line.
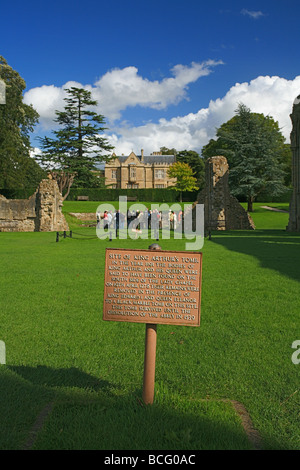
pixel 139 171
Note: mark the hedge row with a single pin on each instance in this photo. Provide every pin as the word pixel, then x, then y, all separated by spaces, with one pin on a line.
pixel 17 193
pixel 151 195
pixel 108 194
pixel 265 197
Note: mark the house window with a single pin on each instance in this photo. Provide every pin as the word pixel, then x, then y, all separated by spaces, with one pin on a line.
pixel 159 185
pixel 132 172
pixel 160 174
pixel 114 174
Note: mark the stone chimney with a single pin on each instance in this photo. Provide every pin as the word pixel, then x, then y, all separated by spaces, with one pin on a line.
pixel 142 155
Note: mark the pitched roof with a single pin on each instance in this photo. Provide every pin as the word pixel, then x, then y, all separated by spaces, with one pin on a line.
pixel 150 159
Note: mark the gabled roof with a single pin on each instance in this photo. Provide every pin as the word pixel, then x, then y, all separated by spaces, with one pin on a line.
pixel 150 159
pixel 159 159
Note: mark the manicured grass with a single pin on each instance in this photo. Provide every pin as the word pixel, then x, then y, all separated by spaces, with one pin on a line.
pixel 267 219
pixel 91 206
pixel 59 350
pixel 263 218
pixel 172 423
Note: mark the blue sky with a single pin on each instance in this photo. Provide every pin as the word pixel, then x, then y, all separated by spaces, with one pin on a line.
pixel 165 73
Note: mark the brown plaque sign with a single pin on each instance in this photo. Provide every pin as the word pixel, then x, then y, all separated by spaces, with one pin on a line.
pixel 158 287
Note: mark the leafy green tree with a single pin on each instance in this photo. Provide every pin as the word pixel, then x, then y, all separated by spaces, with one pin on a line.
pixel 255 150
pixel 192 158
pixel 185 181
pixel 166 151
pixel 77 147
pixel 197 164
pixel 17 121
pixel 286 160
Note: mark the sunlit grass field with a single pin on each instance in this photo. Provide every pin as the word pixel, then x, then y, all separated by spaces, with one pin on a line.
pixel 86 375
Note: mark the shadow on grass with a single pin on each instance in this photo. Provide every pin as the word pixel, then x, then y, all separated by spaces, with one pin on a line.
pixel 50 377
pixel 107 418
pixel 275 249
pixel 25 391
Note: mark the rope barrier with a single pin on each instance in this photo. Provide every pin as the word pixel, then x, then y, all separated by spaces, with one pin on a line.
pixel 87 237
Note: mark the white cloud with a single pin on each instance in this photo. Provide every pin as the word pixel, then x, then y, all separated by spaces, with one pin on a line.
pixel 253 14
pixel 273 96
pixel 46 99
pixel 119 89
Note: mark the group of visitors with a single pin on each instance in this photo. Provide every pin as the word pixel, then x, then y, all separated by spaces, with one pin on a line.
pixel 142 219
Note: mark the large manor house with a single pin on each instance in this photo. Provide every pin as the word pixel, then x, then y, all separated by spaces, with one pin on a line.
pixel 139 171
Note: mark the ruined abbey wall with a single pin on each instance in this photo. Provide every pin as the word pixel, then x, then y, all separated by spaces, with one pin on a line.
pixel 40 213
pixel 294 210
pixel 222 211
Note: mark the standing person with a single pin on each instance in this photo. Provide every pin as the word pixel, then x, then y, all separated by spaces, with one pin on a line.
pixel 155 223
pixel 179 219
pixel 121 220
pixel 98 216
pixel 160 220
pixel 105 220
pixel 171 219
pixel 128 216
pixel 109 217
pixel 175 220
pixel 117 219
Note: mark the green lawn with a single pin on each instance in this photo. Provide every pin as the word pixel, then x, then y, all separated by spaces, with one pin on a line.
pixel 60 352
pixel 267 219
pixel 91 206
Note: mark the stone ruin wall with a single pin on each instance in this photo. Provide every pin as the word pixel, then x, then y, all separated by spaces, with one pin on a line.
pixel 222 211
pixel 294 209
pixel 40 213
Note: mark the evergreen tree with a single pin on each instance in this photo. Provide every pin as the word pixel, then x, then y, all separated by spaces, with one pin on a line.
pixel 254 148
pixel 77 148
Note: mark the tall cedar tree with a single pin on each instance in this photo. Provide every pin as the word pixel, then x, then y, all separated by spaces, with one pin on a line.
pixel 253 146
pixel 78 147
pixel 17 121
